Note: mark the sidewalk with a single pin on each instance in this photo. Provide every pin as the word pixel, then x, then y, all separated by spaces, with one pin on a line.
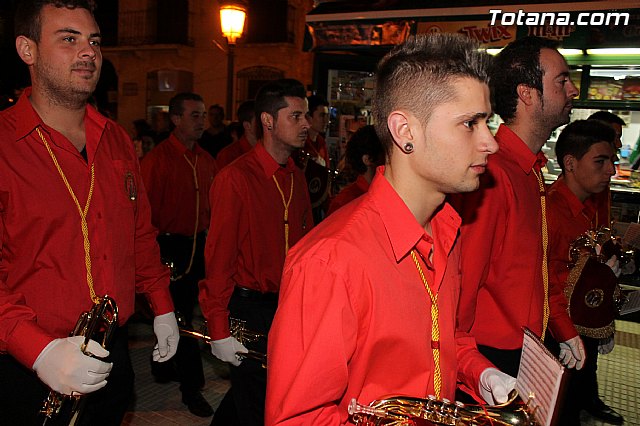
pixel 160 404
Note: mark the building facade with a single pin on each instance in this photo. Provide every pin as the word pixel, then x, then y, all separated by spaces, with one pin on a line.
pixel 168 46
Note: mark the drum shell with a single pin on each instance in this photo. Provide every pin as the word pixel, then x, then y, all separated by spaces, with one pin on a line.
pixel 590 292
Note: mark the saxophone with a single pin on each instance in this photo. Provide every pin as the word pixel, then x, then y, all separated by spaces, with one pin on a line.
pixel 409 411
pixel 102 319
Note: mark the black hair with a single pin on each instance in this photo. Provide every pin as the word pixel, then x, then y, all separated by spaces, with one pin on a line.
pixel 316 101
pixel 518 63
pixel 607 117
pixel 27 18
pixel 176 104
pixel 271 97
pixel 246 111
pixel 577 137
pixel 364 141
pixel 418 75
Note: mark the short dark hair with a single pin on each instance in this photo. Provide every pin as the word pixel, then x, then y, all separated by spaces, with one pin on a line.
pixel 364 141
pixel 176 104
pixel 27 18
pixel 271 97
pixel 577 137
pixel 518 63
pixel 607 117
pixel 316 101
pixel 246 111
pixel 418 75
pixel 218 107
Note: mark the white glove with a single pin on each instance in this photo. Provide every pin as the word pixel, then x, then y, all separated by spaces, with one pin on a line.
pixel 605 346
pixel 495 386
pixel 614 264
pixel 64 368
pixel 572 353
pixel 165 327
pixel 225 350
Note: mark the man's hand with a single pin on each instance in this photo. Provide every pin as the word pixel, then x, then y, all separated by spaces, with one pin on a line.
pixel 605 346
pixel 495 386
pixel 572 353
pixel 225 350
pixel 64 368
pixel 165 327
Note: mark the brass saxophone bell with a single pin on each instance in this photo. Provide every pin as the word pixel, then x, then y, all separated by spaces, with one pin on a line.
pixel 409 411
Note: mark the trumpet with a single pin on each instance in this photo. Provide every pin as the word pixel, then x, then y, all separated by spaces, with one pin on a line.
pixel 409 411
pixel 238 330
pixel 101 319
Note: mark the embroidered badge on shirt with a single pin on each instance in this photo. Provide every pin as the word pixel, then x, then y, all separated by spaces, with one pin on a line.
pixel 130 186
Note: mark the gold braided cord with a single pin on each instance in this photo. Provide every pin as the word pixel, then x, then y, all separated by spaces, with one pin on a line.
pixel 545 245
pixel 194 167
pixel 81 211
pixel 435 329
pixel 286 204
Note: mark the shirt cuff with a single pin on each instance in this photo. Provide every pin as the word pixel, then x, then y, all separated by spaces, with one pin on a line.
pixel 27 341
pixel 160 301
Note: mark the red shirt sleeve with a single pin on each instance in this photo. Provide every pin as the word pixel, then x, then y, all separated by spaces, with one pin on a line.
pixel 222 252
pixel 308 359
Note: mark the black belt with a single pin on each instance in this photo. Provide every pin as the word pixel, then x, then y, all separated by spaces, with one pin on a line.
pixel 181 237
pixel 247 293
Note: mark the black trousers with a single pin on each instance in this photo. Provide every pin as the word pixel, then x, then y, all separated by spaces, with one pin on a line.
pixel 582 385
pixel 507 360
pixel 249 380
pixel 187 362
pixel 22 394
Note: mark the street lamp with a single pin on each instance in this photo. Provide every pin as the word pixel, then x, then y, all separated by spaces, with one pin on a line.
pixel 232 16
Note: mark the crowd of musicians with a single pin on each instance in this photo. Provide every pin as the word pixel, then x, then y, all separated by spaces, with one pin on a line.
pixel 416 279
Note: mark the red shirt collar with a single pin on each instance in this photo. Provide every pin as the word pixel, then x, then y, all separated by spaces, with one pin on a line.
pixel 362 184
pixel 576 207
pixel 244 144
pixel 509 142
pixel 269 165
pixel 182 148
pixel 402 228
pixel 29 118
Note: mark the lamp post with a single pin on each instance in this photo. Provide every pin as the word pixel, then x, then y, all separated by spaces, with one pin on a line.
pixel 232 16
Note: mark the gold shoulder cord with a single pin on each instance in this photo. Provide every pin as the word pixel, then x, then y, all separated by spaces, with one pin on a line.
pixel 435 329
pixel 286 204
pixel 81 211
pixel 545 245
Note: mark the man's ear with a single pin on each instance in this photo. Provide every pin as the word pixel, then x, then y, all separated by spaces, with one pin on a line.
pixel 175 119
pixel 525 94
pixel 26 49
pixel 266 120
pixel 398 123
pixel 569 162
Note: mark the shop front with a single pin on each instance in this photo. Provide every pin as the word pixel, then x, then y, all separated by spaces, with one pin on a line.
pixel 600 44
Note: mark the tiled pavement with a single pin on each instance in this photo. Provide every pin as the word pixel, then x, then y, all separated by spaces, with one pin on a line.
pixel 160 404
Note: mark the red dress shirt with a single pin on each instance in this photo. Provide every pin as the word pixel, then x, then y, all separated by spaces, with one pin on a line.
pixel 317 148
pixel 568 218
pixel 170 184
pixel 501 243
pixel 246 244
pixel 348 194
pixel 229 153
pixel 354 318
pixel 43 278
